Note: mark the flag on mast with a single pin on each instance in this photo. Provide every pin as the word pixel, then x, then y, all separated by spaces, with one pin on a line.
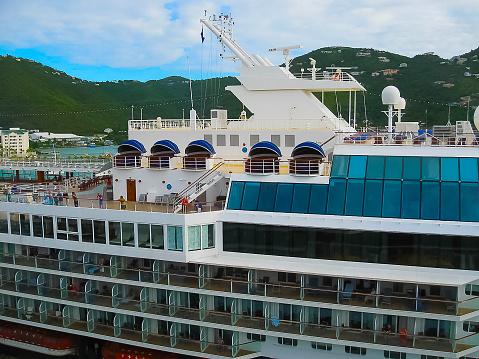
pixel 202 36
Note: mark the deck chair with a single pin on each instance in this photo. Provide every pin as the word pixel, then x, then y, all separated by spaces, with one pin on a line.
pixel 386 299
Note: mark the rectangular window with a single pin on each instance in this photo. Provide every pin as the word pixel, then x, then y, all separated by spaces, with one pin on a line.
pixel 208 235
pixel 115 233
pixel 469 202
pixel 354 198
pixel 392 199
pixel 449 201
pixel 336 197
pixel 393 168
pixel 4 222
pixel 250 197
pixel 25 224
pixel 276 139
pixel 468 169
pixel 256 337
pixel 175 238
pixel 14 223
pixel 157 238
pixel 373 194
pixel 319 197
pixel 289 141
pixel 355 350
pixel 412 168
pixel 375 167
pixel 472 289
pixel 194 238
pixel 284 197
pixel 288 341
pixel 394 355
pixel 267 196
pixel 357 167
pixel 321 346
pixel 143 235
pixel 340 166
pixel 301 196
pixel 127 234
pixel 430 169
pixel 234 140
pixel 253 140
pixel 37 226
pixel 208 138
pixel 87 230
pixel 236 195
pixel 48 227
pixel 221 140
pixel 430 200
pixel 449 169
pixel 410 201
pixel 99 231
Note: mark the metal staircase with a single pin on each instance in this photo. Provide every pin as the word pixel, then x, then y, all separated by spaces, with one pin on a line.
pixel 199 186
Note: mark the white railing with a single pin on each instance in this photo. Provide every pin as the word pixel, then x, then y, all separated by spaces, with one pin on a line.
pixel 92 165
pixel 411 139
pixel 127 161
pixel 332 76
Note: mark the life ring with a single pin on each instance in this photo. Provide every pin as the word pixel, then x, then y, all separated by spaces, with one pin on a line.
pixel 337 76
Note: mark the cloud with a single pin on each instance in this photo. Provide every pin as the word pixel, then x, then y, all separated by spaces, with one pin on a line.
pixel 147 33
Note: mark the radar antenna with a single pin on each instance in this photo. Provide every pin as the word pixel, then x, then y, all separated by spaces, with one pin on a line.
pixel 286 52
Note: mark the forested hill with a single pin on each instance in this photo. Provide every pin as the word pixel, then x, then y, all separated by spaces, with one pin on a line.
pixel 34 96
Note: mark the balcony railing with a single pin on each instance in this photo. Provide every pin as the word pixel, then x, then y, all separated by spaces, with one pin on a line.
pixel 178 278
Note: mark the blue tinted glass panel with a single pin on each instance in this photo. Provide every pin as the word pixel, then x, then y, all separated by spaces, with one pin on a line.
pixel 430 168
pixel 354 198
pixel 450 201
pixel 267 195
pixel 301 195
pixel 469 201
pixel 373 197
pixel 449 169
pixel 412 168
pixel 340 166
pixel 375 167
pixel 393 168
pixel 319 197
pixel 336 195
pixel 392 199
pixel 357 167
pixel 468 169
pixel 284 195
pixel 236 194
pixel 250 196
pixel 411 196
pixel 430 200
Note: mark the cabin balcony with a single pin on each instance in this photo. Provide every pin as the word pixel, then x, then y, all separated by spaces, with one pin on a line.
pixel 127 161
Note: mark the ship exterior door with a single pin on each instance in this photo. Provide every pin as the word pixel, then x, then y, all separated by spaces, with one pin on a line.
pixel 131 190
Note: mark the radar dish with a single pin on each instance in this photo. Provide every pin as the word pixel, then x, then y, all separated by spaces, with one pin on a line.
pixel 390 95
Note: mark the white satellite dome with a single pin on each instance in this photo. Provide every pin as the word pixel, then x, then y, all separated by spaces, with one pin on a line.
pixel 401 105
pixel 390 95
pixel 476 117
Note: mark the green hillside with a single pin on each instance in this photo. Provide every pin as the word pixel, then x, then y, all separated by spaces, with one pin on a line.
pixel 34 96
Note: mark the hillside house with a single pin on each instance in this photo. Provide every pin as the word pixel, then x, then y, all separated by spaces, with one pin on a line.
pixel 363 54
pixel 448 85
pixel 383 59
pixel 374 74
pixel 403 64
pixel 389 72
pixel 439 82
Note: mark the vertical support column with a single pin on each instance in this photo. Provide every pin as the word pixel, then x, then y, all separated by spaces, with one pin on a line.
pixel 349 108
pixel 355 107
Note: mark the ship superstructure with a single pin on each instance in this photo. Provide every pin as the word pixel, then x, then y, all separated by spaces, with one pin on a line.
pixel 278 253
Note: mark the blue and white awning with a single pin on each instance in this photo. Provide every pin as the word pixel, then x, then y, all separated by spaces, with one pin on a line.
pixel 164 147
pixel 131 146
pixel 199 146
pixel 308 148
pixel 264 148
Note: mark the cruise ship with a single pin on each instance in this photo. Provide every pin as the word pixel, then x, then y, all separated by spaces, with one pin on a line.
pixel 285 234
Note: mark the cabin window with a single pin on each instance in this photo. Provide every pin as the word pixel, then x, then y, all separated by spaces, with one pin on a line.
pixel 289 140
pixel 157 241
pixel 355 350
pixel 87 230
pixel 288 341
pixel 48 227
pixel 208 138
pixel 234 140
pixel 114 230
pixel 221 140
pixel 99 232
pixel 175 238
pixel 37 226
pixel 143 235
pixel 14 223
pixel 208 235
pixel 194 238
pixel 394 355
pixel 276 139
pixel 25 224
pixel 321 346
pixel 253 139
pixel 128 234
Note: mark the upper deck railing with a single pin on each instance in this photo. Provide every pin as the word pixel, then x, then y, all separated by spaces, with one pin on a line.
pixel 82 165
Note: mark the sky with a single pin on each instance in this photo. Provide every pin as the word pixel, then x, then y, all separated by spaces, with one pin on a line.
pixel 145 40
